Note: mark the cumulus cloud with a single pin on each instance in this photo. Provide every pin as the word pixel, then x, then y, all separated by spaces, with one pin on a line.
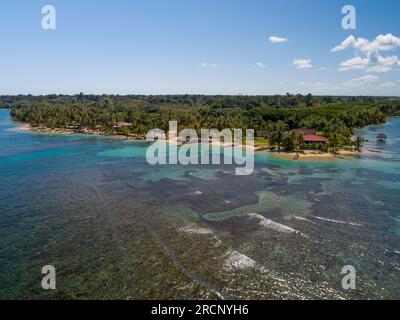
pixel 274 39
pixel 261 65
pixel 351 42
pixel 303 63
pixel 384 64
pixel 371 63
pixel 369 55
pixel 382 42
pixel 354 63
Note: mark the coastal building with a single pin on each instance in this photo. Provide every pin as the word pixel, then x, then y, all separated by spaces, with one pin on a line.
pixel 381 137
pixel 264 135
pixel 73 125
pixel 310 139
pixel 122 125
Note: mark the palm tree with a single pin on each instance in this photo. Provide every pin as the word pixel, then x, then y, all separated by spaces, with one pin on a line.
pixel 289 142
pixel 300 140
pixel 334 142
pixel 277 135
pixel 358 143
pixel 273 140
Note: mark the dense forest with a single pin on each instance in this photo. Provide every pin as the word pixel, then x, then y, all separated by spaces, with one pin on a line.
pixel 269 116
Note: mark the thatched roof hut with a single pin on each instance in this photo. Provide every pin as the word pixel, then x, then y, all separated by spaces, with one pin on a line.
pixel 381 137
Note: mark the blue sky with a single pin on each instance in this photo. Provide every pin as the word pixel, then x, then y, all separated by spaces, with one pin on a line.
pixel 199 46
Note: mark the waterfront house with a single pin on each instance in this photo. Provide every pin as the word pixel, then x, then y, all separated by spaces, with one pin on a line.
pixel 312 140
pixel 122 125
pixel 381 137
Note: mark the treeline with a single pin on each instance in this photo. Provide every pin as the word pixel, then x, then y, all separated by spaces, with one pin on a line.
pixel 335 117
pixel 218 101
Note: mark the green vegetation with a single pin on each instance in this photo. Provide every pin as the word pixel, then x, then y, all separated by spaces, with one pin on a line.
pixel 262 142
pixel 269 116
pixel 358 143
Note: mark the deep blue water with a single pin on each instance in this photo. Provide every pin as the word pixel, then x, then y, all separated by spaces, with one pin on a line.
pixel 116 227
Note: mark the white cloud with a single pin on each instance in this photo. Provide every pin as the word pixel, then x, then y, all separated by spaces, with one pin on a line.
pixel 351 42
pixel 368 84
pixel 369 78
pixel 362 81
pixel 303 63
pixel 261 65
pixel 354 63
pixel 384 64
pixel 274 39
pixel 208 65
pixel 372 63
pixel 388 84
pixel 385 42
pixel 382 42
pixel 368 56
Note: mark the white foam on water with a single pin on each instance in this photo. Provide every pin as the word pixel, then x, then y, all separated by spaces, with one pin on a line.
pixel 267 223
pixel 196 193
pixel 193 229
pixel 238 261
pixel 302 219
pixel 339 221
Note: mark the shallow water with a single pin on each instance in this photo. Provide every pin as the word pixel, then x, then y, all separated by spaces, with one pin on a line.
pixel 116 228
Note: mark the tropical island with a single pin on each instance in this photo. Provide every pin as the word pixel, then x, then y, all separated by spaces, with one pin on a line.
pixel 289 124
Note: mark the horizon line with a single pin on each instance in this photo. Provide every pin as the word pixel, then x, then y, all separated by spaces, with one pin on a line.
pixel 195 94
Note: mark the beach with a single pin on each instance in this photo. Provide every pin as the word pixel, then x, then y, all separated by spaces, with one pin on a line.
pixel 304 155
pixel 308 155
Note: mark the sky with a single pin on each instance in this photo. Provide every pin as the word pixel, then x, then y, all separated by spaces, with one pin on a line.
pixel 251 47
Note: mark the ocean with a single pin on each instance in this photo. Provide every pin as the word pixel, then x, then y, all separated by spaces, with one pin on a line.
pixel 115 227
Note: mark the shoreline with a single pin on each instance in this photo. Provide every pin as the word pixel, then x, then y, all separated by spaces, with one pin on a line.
pixel 310 154
pixel 305 154
pixel 23 126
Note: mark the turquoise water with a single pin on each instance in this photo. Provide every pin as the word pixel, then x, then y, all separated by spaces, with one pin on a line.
pixel 115 227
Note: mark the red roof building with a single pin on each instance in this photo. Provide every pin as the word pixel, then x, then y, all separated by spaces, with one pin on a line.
pixel 313 138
